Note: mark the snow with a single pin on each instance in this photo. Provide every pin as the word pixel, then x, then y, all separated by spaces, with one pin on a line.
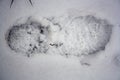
pixel 80 35
pixel 104 65
pixel 28 38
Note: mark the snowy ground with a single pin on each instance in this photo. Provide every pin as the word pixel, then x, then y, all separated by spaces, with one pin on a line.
pixel 101 66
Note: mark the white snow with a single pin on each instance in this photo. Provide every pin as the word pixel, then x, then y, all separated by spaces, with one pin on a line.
pixel 101 66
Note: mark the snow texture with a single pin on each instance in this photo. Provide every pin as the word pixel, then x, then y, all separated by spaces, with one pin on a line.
pixel 28 38
pixel 82 35
pixel 104 65
pixel 73 35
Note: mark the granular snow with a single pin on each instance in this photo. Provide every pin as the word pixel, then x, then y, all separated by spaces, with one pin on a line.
pixel 80 35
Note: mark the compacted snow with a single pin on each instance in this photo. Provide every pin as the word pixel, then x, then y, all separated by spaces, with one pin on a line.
pixel 28 38
pixel 80 35
pixel 60 40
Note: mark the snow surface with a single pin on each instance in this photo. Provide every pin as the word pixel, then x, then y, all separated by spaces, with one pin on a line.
pixel 101 66
pixel 73 36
